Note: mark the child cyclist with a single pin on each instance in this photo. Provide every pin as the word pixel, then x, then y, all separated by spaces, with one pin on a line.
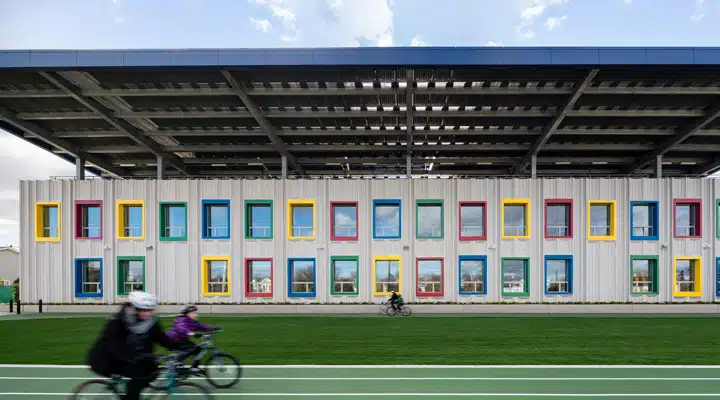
pixel 184 326
pixel 396 301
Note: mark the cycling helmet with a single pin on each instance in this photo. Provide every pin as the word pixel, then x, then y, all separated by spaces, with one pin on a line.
pixel 189 308
pixel 142 300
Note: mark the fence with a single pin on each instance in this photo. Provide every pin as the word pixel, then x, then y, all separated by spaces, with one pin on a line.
pixel 6 293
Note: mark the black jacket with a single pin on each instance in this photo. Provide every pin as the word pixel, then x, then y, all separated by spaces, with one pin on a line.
pixel 117 346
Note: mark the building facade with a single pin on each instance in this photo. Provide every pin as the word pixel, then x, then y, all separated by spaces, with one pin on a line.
pixel 354 241
pixel 9 265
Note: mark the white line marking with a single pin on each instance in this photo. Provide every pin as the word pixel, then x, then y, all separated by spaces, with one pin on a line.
pixel 676 395
pixel 431 378
pixel 295 366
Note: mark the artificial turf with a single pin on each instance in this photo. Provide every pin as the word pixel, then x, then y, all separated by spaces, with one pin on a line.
pixel 425 340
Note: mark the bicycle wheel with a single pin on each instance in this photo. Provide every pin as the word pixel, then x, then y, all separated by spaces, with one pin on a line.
pixel 406 311
pixel 94 389
pixel 226 367
pixel 181 390
pixel 390 311
pixel 162 379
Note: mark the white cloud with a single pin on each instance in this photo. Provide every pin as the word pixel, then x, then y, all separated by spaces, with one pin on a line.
pixel 284 12
pixel 5 221
pixel 417 42
pixel 9 195
pixel 699 12
pixel 261 24
pixel 627 1
pixel 553 22
pixel 366 20
pixel 493 44
pixel 532 10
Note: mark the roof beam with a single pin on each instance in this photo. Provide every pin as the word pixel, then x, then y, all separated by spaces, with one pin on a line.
pixel 707 169
pixel 136 135
pixel 675 140
pixel 409 109
pixel 261 120
pixel 556 121
pixel 67 147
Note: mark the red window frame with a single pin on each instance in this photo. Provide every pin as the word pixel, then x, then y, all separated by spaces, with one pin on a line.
pixel 567 202
pixel 332 220
pixel 247 278
pixel 441 293
pixel 698 216
pixel 78 218
pixel 485 225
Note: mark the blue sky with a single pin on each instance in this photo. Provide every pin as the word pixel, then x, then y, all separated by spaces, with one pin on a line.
pixel 112 24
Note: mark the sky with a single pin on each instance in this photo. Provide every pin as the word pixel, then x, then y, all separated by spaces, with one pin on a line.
pixel 124 24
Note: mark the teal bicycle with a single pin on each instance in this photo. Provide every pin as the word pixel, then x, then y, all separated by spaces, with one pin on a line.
pixel 115 385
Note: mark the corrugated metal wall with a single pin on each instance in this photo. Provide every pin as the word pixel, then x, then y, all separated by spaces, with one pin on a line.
pixel 601 269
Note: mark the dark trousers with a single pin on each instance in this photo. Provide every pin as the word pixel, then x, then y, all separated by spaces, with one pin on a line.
pixel 140 375
pixel 191 350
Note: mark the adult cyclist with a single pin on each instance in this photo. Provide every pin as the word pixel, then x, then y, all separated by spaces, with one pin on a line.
pixel 396 301
pixel 127 342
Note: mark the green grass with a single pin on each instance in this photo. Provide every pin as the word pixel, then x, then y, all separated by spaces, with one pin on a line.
pixel 423 340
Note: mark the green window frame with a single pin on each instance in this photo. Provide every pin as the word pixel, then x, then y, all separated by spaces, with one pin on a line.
pixel 526 281
pixel 122 285
pixel 717 218
pixel 163 221
pixel 429 203
pixel 334 292
pixel 653 280
pixel 249 204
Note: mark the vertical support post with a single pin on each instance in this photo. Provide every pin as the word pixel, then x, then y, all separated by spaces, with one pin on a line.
pixel 533 166
pixel 11 304
pixel 160 168
pixel 408 166
pixel 284 166
pixel 40 306
pixel 18 305
pixel 80 168
pixel 658 166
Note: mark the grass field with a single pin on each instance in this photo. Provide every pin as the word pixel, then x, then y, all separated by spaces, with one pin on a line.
pixel 405 341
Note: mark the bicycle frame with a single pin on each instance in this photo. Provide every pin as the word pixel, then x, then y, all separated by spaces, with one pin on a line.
pixel 207 347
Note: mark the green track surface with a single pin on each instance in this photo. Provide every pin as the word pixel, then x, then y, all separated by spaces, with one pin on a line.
pixel 408 341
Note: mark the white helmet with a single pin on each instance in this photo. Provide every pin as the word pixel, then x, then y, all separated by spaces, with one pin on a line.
pixel 142 300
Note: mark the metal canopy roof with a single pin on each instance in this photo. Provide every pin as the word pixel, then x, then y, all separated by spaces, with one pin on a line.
pixel 358 112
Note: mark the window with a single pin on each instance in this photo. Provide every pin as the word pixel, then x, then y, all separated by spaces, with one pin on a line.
pixel 88 219
pixel 386 219
pixel 473 275
pixel 644 275
pixel 343 220
pixel 515 276
pixel 131 219
pixel 47 222
pixel 687 277
pixel 717 276
pixel 688 218
pixel 173 221
pixel 473 220
pixel 644 218
pixel 717 218
pixel 130 274
pixel 558 218
pixel 216 219
pixel 301 277
pixel 387 273
pixel 301 219
pixel 558 274
pixel 515 218
pixel 430 277
pixel 216 276
pixel 344 275
pixel 258 219
pixel 88 277
pixel 429 219
pixel 259 277
pixel 602 220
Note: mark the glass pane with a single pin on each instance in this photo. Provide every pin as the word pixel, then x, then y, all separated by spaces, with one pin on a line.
pixel 175 221
pixel 217 219
pixel 302 220
pixel 685 221
pixel 387 220
pixel 133 274
pixel 303 276
pixel 472 276
pixel 90 221
pixel 472 220
pixel 429 279
pixel 133 221
pixel 642 220
pixel 345 276
pixel 345 219
pixel 514 278
pixel 91 276
pixel 642 278
pixel 260 277
pixel 260 220
pixel 217 276
pixel 685 275
pixel 557 279
pixel 429 220
pixel 600 220
pixel 387 276
pixel 514 224
pixel 50 221
pixel 558 220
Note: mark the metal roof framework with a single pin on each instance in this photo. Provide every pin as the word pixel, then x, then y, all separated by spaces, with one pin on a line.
pixel 456 112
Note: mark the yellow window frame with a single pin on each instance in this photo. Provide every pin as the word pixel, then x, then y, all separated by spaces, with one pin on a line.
pixel 613 219
pixel 120 216
pixel 374 269
pixel 301 202
pixel 205 277
pixel 698 277
pixel 515 202
pixel 39 222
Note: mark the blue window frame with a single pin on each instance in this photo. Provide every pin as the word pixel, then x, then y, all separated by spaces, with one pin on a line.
pixel 216 219
pixel 302 277
pixel 717 276
pixel 558 274
pixel 472 275
pixel 88 277
pixel 644 220
pixel 387 214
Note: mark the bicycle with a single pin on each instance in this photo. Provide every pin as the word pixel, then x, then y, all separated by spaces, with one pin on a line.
pixel 116 384
pixel 388 309
pixel 212 357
